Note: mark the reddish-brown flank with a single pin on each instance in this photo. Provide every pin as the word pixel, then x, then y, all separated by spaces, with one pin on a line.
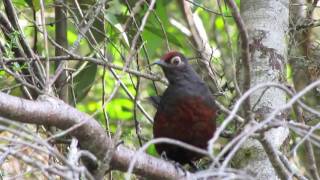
pixel 190 120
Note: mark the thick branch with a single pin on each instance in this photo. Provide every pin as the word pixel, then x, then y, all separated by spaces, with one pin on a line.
pixel 54 112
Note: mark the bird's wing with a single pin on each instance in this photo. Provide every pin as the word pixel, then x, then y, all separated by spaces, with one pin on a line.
pixel 154 100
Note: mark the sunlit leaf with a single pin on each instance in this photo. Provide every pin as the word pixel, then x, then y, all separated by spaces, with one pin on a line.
pixel 289 71
pixel 72 37
pixel 92 106
pixel 22 3
pixel 120 109
pixel 112 19
pixel 219 23
pixel 152 150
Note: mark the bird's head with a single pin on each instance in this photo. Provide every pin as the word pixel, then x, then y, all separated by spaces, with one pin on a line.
pixel 172 60
pixel 174 65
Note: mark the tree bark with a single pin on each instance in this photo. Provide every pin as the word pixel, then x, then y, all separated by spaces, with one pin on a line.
pixel 54 112
pixel 267 25
pixel 61 39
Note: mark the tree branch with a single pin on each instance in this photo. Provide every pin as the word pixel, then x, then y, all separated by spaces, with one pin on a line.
pixel 97 61
pixel 54 112
pixel 244 50
pixel 274 158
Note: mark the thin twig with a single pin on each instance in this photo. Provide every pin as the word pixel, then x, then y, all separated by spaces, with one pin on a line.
pixel 207 9
pixel 244 50
pixel 98 61
pixel 312 166
pixel 47 87
pixel 274 158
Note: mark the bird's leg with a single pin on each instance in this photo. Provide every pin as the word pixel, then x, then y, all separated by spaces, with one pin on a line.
pixel 193 166
pixel 164 155
pixel 176 165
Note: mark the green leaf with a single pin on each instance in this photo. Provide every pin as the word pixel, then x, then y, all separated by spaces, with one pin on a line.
pixel 120 109
pixel 22 3
pixel 116 7
pixel 83 80
pixel 159 33
pixel 289 72
pixel 72 37
pixel 2 73
pixel 219 23
pixel 36 4
pixel 152 150
pixel 112 19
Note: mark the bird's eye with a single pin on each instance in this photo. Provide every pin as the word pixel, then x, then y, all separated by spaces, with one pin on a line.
pixel 175 60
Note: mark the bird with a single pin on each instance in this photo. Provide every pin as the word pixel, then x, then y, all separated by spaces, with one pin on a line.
pixel 186 111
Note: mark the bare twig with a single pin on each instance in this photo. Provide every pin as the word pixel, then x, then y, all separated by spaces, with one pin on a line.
pixel 207 9
pixel 135 117
pixel 199 37
pixel 288 165
pixel 312 166
pixel 84 27
pixel 267 120
pixel 244 50
pixel 72 56
pixel 274 158
pixel 233 60
pixel 256 126
pixel 47 87
pixel 27 49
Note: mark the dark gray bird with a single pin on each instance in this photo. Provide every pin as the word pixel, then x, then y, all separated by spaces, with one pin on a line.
pixel 186 111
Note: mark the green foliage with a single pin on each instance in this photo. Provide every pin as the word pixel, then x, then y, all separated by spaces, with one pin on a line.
pixel 12 43
pixel 33 3
pixel 72 37
pixel 83 80
pixel 114 42
pixel 120 109
pixel 113 20
pixel 156 34
pixel 152 150
pixel 289 72
pixel 86 83
pixel 219 23
pixel 22 3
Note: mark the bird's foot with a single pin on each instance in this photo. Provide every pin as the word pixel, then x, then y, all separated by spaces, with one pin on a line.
pixel 179 167
pixel 164 156
pixel 193 166
pixel 176 165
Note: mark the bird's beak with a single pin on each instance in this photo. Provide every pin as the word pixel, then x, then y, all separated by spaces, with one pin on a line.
pixel 158 62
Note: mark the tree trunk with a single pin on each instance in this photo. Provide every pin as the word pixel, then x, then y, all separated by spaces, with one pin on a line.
pixel 267 25
pixel 61 38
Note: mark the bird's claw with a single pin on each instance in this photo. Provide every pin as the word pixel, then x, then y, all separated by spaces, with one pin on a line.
pixel 176 165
